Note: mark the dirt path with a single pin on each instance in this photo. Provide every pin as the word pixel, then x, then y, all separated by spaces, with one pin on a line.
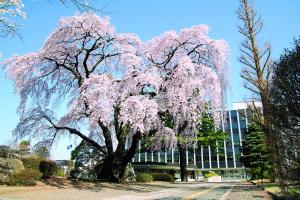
pixel 67 190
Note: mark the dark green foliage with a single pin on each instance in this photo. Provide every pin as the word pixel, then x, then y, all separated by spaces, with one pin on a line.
pixel 285 104
pixel 84 153
pixel 144 178
pixel 162 177
pixel 48 168
pixel 172 172
pixel 254 152
pixel 285 90
pixel 32 163
pixel 74 173
pixel 207 134
pixel 26 177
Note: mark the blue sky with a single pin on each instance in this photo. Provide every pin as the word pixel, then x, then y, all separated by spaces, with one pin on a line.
pixel 148 19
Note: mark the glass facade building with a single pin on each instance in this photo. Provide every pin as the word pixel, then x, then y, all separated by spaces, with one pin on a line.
pixel 226 157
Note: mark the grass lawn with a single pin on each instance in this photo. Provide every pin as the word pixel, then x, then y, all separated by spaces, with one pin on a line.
pixel 269 186
pixel 272 187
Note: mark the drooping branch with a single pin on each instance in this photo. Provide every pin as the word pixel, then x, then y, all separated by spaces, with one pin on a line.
pixel 76 132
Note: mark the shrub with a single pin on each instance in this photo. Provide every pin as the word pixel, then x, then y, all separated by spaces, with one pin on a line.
pixel 48 168
pixel 144 178
pixel 74 173
pixel 210 174
pixel 33 173
pixel 32 163
pixel 172 172
pixel 26 177
pixel 162 177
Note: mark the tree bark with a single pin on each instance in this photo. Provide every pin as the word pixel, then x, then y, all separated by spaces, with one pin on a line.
pixel 114 166
pixel 182 159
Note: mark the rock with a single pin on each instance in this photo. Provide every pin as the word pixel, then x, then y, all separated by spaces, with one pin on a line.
pixel 75 173
pixel 87 175
pixel 83 174
pixel 8 167
pixel 129 174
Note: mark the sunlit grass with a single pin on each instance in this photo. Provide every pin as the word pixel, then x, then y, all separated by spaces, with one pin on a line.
pixel 272 187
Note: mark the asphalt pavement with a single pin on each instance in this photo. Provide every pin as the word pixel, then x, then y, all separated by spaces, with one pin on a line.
pixel 188 191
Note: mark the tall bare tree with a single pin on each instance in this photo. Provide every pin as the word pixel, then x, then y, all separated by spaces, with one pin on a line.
pixel 257 72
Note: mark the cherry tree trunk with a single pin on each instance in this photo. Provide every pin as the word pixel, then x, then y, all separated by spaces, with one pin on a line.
pixel 112 169
pixel 182 159
pixel 114 166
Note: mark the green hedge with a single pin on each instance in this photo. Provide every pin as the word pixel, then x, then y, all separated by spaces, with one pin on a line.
pixel 48 168
pixel 26 177
pixel 162 177
pixel 210 174
pixel 144 178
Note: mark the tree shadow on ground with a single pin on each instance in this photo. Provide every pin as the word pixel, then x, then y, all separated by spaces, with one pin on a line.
pixel 55 182
pixel 136 187
pixel 62 182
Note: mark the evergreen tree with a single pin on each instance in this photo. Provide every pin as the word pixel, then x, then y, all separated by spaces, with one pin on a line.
pixel 285 100
pixel 208 135
pixel 85 155
pixel 254 152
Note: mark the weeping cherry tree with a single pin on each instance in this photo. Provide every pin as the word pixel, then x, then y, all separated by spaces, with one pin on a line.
pixel 118 89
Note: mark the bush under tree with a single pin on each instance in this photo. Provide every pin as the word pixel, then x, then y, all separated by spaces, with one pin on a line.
pixel 144 178
pixel 162 177
pixel 47 168
pixel 26 177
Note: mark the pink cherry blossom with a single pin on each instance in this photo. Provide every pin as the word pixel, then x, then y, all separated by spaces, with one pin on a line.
pixel 175 74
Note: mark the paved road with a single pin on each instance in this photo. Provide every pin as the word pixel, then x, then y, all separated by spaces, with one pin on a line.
pixel 153 191
pixel 188 191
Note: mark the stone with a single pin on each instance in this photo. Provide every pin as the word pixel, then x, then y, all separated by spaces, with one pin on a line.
pixel 8 167
pixel 83 174
pixel 130 174
pixel 87 175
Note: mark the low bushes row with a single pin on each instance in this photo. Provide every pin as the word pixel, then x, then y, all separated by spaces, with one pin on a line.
pixel 48 168
pixel 154 177
pixel 26 177
pixel 35 169
pixel 144 178
pixel 162 177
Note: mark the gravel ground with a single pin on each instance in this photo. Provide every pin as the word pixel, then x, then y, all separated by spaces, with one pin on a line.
pixel 62 189
pixel 247 191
